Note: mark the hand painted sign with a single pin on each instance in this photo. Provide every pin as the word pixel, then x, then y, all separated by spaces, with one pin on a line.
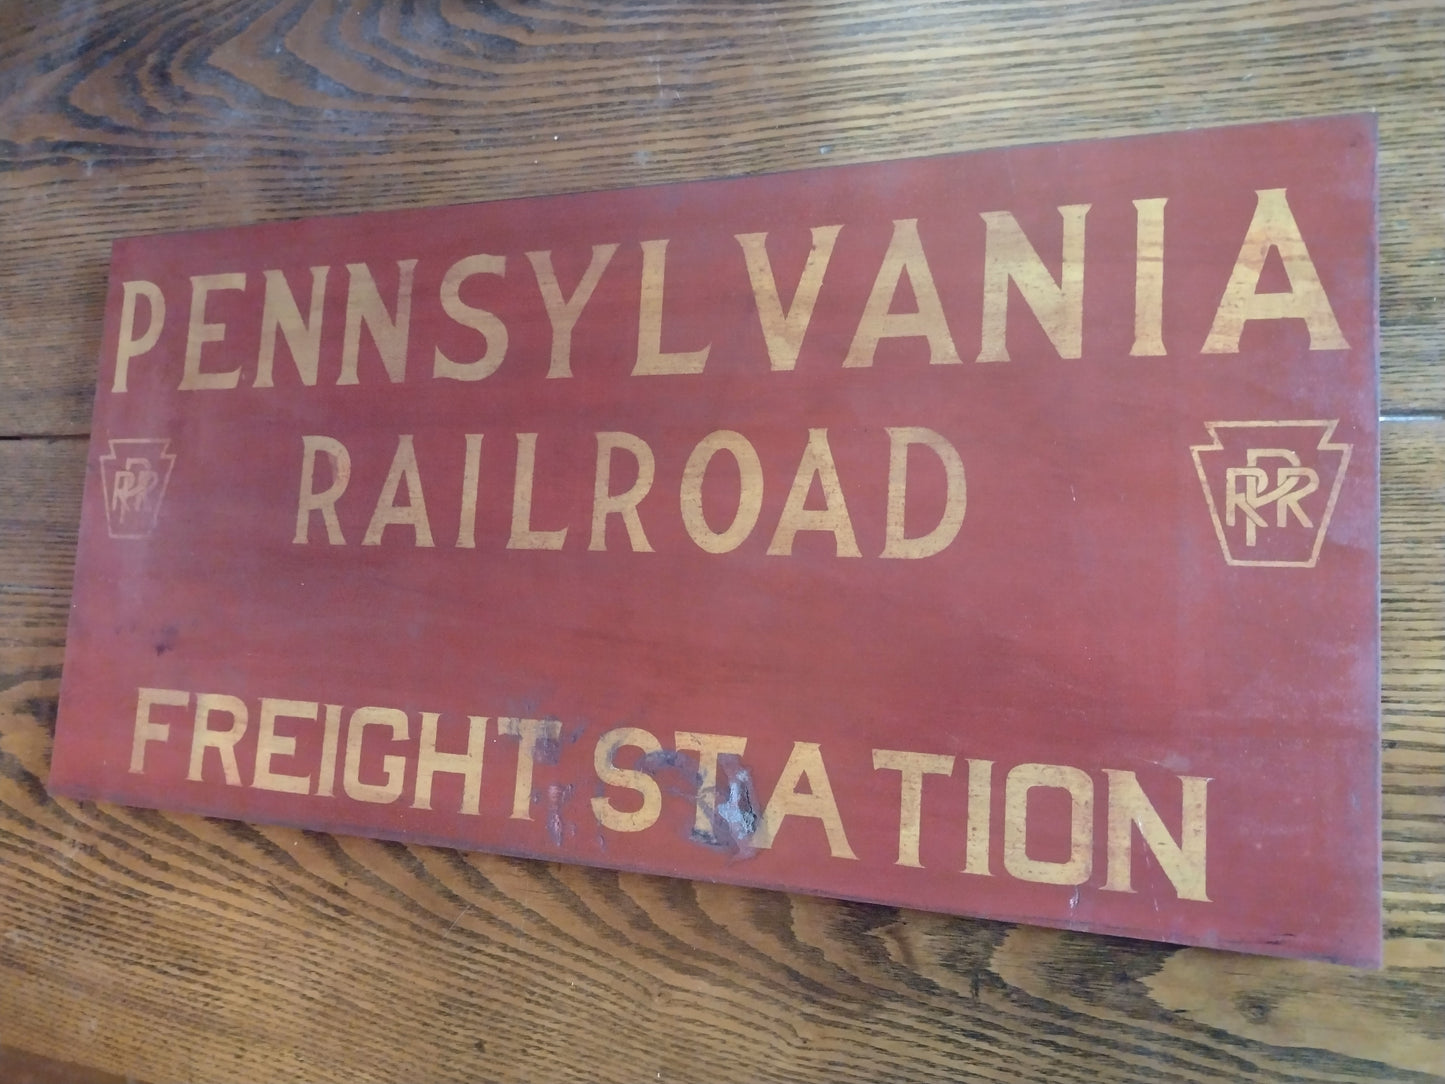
pixel 993 534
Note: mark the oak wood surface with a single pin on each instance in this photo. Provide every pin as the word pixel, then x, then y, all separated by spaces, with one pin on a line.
pixel 165 947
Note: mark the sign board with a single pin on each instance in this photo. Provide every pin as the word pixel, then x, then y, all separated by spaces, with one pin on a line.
pixel 993 534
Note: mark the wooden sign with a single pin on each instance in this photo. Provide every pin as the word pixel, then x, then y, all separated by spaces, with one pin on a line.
pixel 994 534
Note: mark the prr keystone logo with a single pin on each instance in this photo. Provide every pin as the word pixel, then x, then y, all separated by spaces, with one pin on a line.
pixel 135 474
pixel 1271 488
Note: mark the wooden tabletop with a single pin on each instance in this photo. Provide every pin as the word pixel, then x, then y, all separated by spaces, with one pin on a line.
pixel 160 947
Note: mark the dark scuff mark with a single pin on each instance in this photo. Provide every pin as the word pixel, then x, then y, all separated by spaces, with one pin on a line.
pixel 548 749
pixel 166 639
pixel 739 812
pixel 557 828
pixel 735 819
pixel 675 759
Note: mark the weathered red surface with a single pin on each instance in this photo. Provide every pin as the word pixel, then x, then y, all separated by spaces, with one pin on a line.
pixel 1098 638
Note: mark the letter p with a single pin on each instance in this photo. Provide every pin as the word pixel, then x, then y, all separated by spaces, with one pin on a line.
pixel 129 344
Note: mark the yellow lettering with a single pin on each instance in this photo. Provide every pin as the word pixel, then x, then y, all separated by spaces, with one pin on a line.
pixel 393 767
pixel 1058 306
pixel 605 503
pixel 1183 862
pixel 325 501
pixel 1024 778
pixel 817 462
pixel 955 501
pixel 147 731
pixel 480 320
pixel 388 512
pixel 528 732
pixel 911 768
pixel 563 312
pixel 980 817
pixel 200 333
pixel 608 815
pixel 1149 279
pixel 430 763
pixel 222 741
pixel 471 477
pixel 1274 226
pixel 364 306
pixel 128 344
pixel 750 491
pixel 523 536
pixel 330 737
pixel 651 359
pixel 783 331
pixel 269 745
pixel 280 315
pixel 805 762
pixel 904 256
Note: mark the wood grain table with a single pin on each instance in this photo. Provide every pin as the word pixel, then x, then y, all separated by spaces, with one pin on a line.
pixel 156 947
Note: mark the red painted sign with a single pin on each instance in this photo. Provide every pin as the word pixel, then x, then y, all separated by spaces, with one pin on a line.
pixel 993 534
